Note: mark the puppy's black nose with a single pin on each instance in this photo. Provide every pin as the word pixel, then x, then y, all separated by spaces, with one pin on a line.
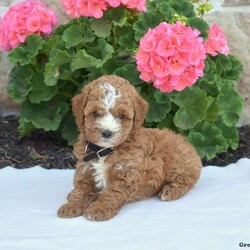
pixel 106 134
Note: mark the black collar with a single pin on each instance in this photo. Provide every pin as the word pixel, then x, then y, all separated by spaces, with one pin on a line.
pixel 98 151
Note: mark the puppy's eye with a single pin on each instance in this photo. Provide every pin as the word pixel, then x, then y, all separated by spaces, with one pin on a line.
pixel 121 116
pixel 96 114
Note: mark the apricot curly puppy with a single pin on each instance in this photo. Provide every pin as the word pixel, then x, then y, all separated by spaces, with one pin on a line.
pixel 118 160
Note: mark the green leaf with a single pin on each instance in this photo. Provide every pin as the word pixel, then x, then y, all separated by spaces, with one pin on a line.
pixel 20 84
pixel 19 55
pixel 211 74
pixel 193 105
pixel 24 53
pixel 230 105
pixel 40 92
pixel 207 140
pixel 64 106
pixel 118 16
pixel 229 133
pixel 145 21
pixel 167 122
pixel 161 97
pixel 101 27
pixel 235 72
pixel 212 88
pixel 166 10
pixel 129 72
pixel 127 42
pixel 223 63
pixel 85 60
pixel 183 7
pixel 45 115
pixel 212 110
pixel 50 43
pixel 73 35
pixel 57 58
pixel 110 66
pixel 25 126
pixel 69 129
pixel 156 112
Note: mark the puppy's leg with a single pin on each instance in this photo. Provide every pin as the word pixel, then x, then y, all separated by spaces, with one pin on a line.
pixel 120 190
pixel 83 194
pixel 179 184
pixel 173 191
pixel 182 169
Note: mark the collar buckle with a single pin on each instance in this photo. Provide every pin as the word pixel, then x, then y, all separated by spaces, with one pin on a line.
pixel 105 151
pixel 98 152
pixel 87 150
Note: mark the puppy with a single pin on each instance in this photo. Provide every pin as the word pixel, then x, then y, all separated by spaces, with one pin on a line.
pixel 118 161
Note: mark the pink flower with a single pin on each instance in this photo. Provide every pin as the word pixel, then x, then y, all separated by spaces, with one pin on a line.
pixel 33 23
pixel 70 8
pixel 88 8
pixel 23 19
pixel 217 41
pixel 140 5
pixel 171 56
pixel 96 8
pixel 114 3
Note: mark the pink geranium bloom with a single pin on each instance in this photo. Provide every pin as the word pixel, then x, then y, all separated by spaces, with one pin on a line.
pixel 70 8
pixel 163 84
pixel 23 19
pixel 96 8
pixel 140 5
pixel 33 23
pixel 158 66
pixel 171 56
pixel 165 48
pixel 175 67
pixel 142 58
pixel 88 8
pixel 147 43
pixel 217 41
pixel 113 3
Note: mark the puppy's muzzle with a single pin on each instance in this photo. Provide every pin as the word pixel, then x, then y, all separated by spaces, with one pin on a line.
pixel 106 134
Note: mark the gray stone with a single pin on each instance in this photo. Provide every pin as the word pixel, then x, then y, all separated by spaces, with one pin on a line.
pixel 236 2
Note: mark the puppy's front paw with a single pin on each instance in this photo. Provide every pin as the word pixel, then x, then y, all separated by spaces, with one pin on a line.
pixel 70 210
pixel 100 211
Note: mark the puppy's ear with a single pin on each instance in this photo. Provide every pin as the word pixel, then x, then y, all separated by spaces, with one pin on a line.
pixel 78 105
pixel 141 108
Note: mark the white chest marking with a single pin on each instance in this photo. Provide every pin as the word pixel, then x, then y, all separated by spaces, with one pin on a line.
pixel 99 175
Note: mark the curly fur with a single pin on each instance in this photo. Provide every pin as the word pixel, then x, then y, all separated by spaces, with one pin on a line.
pixel 145 162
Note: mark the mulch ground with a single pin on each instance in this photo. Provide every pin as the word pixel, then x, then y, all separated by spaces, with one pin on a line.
pixel 46 150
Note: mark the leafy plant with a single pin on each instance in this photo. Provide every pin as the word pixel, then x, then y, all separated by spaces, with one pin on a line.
pixel 47 73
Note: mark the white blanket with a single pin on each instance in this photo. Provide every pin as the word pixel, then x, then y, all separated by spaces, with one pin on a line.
pixel 214 215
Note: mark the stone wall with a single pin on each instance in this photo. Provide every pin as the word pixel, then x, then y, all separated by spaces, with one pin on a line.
pixel 232 15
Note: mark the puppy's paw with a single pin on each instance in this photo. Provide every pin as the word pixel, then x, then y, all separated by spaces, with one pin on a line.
pixel 70 210
pixel 99 211
pixel 172 192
